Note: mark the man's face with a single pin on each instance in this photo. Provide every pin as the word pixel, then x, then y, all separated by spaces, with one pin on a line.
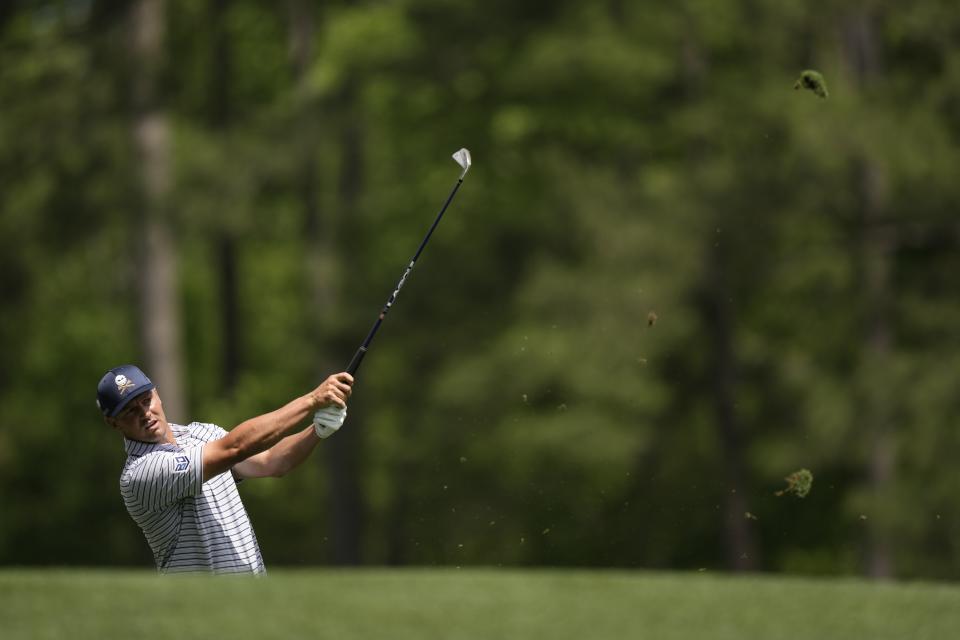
pixel 143 419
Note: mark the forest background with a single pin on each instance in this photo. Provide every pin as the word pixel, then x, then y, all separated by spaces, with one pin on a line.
pixel 669 281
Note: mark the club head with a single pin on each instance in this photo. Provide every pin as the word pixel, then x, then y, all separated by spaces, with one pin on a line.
pixel 463 159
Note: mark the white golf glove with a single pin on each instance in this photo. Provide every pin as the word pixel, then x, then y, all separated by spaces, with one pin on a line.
pixel 326 421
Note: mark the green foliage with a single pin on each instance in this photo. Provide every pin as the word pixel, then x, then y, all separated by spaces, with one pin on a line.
pixel 665 281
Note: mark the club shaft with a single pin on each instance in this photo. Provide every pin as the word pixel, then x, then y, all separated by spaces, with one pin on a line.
pixel 362 351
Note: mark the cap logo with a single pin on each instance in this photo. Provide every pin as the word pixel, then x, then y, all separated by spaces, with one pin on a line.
pixel 123 383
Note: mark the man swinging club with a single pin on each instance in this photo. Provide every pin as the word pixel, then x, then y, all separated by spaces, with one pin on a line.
pixel 175 482
pixel 179 483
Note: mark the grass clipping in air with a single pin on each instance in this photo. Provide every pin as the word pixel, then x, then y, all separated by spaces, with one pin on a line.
pixel 812 80
pixel 798 483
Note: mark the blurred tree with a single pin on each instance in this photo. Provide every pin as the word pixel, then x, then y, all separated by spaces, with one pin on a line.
pixel 714 296
pixel 669 280
pixel 68 249
pixel 322 252
pixel 159 294
pixel 876 244
pixel 225 241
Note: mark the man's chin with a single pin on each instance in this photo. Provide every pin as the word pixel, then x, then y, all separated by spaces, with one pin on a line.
pixel 152 434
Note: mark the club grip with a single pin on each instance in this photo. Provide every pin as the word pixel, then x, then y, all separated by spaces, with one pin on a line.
pixel 357 359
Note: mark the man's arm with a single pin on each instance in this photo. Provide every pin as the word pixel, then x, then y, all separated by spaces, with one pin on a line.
pixel 281 458
pixel 263 432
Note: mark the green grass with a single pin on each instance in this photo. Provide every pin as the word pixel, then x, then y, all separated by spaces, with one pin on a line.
pixel 475 603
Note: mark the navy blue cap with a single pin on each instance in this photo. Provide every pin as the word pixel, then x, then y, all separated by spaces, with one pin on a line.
pixel 118 386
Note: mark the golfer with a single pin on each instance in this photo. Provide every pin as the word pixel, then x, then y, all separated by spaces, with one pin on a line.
pixel 179 483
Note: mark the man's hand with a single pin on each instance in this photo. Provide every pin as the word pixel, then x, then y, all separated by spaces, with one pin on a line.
pixel 326 421
pixel 333 392
pixel 331 403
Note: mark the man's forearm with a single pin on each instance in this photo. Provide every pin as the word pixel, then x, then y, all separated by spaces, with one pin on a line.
pixel 259 434
pixel 290 452
pixel 263 432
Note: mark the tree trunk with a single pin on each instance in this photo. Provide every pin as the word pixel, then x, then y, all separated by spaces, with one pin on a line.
pixel 230 355
pixel 877 242
pixel 7 9
pixel 319 230
pixel 739 544
pixel 159 299
pixel 344 456
pixel 343 452
pixel 226 240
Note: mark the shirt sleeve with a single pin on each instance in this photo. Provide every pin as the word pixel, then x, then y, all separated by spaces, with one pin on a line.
pixel 206 432
pixel 161 478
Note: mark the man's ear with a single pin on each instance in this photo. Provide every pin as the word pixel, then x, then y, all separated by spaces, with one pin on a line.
pixel 110 422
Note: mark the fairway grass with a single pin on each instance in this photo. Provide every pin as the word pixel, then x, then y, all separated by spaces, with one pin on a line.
pixel 470 603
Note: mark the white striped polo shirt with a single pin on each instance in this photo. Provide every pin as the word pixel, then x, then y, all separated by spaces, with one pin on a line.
pixel 190 525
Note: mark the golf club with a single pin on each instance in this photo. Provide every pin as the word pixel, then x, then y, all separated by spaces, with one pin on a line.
pixel 462 158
